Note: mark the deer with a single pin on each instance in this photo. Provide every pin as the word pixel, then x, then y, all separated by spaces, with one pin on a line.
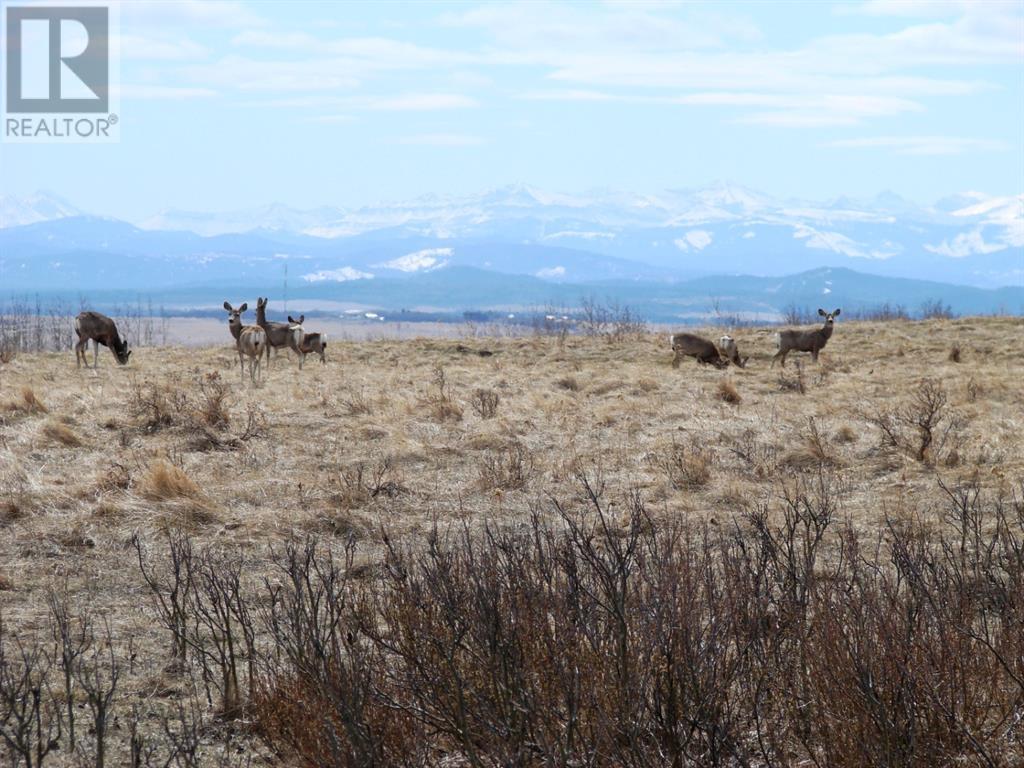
pixel 688 344
pixel 278 334
pixel 311 342
pixel 727 346
pixel 249 341
pixel 101 330
pixel 803 340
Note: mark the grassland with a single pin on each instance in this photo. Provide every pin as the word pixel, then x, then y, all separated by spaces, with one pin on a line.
pixel 391 439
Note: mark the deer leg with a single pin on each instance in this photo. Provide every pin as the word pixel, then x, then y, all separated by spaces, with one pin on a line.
pixel 78 354
pixel 95 354
pixel 814 355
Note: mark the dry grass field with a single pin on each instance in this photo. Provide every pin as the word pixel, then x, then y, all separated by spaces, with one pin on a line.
pixel 392 439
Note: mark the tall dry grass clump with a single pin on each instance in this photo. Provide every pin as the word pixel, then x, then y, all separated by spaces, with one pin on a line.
pixel 728 393
pixel 164 481
pixel 29 402
pixel 61 433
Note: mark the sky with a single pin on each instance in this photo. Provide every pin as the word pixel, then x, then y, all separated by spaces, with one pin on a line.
pixel 228 105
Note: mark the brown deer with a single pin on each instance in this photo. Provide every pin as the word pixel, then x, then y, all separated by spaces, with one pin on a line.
pixel 728 348
pixel 101 330
pixel 312 343
pixel 249 341
pixel 689 344
pixel 804 340
pixel 278 334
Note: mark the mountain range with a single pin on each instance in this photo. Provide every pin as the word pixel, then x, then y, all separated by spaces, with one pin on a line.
pixel 747 249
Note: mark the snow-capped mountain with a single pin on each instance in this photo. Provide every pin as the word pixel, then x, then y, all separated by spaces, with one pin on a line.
pixel 17 210
pixel 970 239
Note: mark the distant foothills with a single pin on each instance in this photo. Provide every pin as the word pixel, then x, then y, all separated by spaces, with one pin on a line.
pixel 676 256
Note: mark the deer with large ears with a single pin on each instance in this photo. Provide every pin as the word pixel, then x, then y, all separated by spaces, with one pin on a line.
pixel 312 343
pixel 249 341
pixel 278 334
pixel 803 340
pixel 100 329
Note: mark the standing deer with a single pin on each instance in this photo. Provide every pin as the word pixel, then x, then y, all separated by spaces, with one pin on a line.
pixel 805 341
pixel 249 341
pixel 278 334
pixel 101 330
pixel 311 342
pixel 688 344
pixel 728 348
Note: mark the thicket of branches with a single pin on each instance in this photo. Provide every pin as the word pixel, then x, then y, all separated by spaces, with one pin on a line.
pixel 27 325
pixel 590 635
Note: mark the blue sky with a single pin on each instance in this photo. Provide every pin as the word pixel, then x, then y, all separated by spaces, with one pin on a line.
pixel 230 105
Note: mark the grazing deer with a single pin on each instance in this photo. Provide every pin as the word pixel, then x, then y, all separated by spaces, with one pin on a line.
pixel 311 342
pixel 249 341
pixel 688 344
pixel 728 348
pixel 803 340
pixel 278 334
pixel 101 330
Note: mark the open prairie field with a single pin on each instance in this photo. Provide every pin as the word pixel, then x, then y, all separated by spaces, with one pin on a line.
pixel 442 473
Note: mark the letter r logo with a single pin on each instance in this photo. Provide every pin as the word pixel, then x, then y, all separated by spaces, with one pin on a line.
pixel 57 59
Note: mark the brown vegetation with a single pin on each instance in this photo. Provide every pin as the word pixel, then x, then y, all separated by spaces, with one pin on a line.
pixel 562 553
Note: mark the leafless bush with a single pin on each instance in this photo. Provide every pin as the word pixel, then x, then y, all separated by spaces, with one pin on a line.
pixel 925 425
pixel 795 383
pixel 935 309
pixel 440 399
pixel 485 403
pixel 508 468
pixel 687 466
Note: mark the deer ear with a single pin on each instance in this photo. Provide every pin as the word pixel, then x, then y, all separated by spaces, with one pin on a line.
pixel 836 313
pixel 302 319
pixel 821 312
pixel 292 319
pixel 244 307
pixel 227 306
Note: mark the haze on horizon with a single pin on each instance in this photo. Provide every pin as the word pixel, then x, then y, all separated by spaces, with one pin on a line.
pixel 232 105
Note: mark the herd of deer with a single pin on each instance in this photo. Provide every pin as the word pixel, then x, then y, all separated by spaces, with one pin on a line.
pixel 251 341
pixel 255 341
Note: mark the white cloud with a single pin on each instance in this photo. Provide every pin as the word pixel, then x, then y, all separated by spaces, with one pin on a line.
pixel 342 275
pixel 839 243
pixel 551 272
pixel 921 145
pixel 965 244
pixel 420 261
pixel 581 235
pixel 698 239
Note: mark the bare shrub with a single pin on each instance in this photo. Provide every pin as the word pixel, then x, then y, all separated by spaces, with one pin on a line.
pixel 356 403
pixel 935 309
pixel 441 401
pixel 794 383
pixel 924 426
pixel 728 393
pixel 687 466
pixel 156 406
pixel 508 468
pixel 485 403
pixel 212 409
